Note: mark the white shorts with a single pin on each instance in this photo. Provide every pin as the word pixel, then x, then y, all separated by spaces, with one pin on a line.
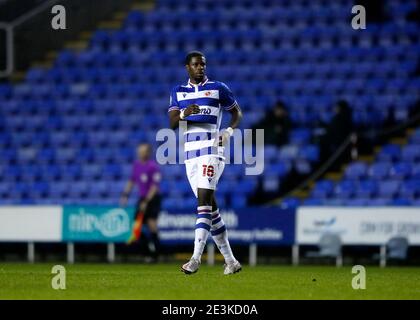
pixel 204 172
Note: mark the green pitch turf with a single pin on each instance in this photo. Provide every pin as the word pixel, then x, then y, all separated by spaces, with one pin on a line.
pixel 165 281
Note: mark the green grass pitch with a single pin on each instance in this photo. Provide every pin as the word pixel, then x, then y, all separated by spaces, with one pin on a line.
pixel 165 281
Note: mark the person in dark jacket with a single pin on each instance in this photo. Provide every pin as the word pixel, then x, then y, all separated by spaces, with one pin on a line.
pixel 337 130
pixel 276 125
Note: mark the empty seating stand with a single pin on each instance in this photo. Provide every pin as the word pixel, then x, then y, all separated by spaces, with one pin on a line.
pixel 89 110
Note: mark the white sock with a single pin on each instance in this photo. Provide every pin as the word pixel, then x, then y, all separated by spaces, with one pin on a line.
pixel 220 237
pixel 202 229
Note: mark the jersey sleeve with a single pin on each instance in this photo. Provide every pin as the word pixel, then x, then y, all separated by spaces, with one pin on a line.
pixel 173 101
pixel 227 100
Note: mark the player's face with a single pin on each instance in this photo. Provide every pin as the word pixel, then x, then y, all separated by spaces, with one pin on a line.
pixel 143 152
pixel 197 68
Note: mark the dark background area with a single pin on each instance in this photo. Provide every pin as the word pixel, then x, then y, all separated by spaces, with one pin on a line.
pixel 37 34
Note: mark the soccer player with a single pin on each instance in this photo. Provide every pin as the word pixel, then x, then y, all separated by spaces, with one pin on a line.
pixel 201 103
pixel 146 175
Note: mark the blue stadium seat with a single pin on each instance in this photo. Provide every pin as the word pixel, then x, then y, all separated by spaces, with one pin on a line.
pixel 390 152
pixel 411 153
pixel 356 170
pixel 312 202
pixel 323 189
pixel 400 202
pixel 345 189
pixel 270 183
pixel 300 136
pixel 415 137
pixel 379 170
pixel 288 152
pixel 270 153
pixel 379 202
pixel 389 188
pixel 401 170
pixel 410 189
pixel 357 202
pixel 415 172
pixel 309 152
pixel 279 169
pixel 367 188
pixel 290 203
pixel 303 167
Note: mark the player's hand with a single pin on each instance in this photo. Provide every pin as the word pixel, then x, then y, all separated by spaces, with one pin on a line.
pixel 222 139
pixel 123 201
pixel 143 206
pixel 191 109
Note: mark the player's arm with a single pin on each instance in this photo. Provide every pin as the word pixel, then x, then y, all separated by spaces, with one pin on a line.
pixel 175 115
pixel 235 120
pixel 235 117
pixel 152 191
pixel 126 193
pixel 229 104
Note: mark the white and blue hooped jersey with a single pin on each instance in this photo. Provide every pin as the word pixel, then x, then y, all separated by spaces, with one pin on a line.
pixel 212 97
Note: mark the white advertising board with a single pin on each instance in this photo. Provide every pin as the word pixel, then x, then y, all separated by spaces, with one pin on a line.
pixel 354 225
pixel 31 223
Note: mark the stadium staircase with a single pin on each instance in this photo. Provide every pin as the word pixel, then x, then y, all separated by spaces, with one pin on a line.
pixel 382 165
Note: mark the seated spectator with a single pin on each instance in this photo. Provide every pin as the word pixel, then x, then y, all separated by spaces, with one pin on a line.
pixel 337 130
pixel 276 125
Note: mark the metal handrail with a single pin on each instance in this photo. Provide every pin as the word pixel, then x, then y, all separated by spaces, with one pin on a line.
pixel 415 119
pixel 9 29
pixel 31 13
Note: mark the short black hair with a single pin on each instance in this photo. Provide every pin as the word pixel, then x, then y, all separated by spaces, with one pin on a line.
pixel 280 104
pixel 191 55
pixel 342 103
pixel 343 106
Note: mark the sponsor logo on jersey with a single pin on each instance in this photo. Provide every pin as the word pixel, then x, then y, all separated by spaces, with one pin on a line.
pixel 205 111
